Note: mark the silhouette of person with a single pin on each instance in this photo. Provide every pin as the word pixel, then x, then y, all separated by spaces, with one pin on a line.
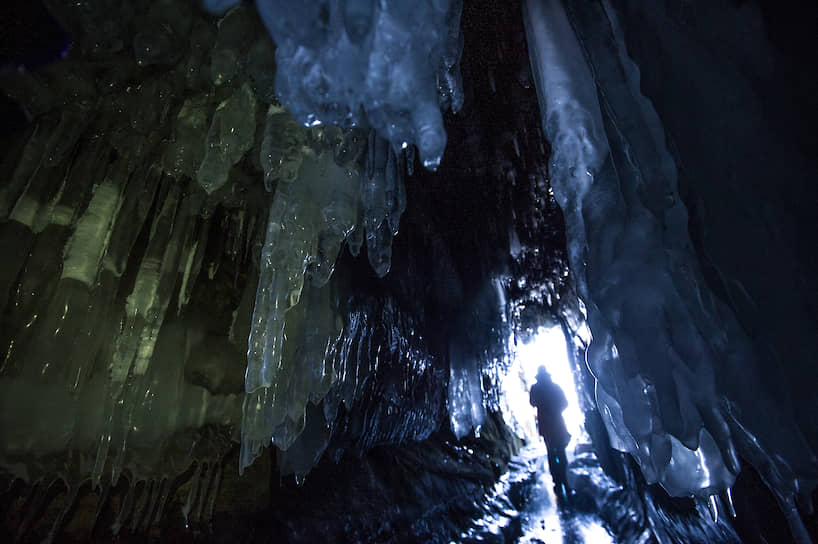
pixel 549 400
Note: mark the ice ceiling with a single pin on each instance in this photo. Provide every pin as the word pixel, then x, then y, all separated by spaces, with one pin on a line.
pixel 359 85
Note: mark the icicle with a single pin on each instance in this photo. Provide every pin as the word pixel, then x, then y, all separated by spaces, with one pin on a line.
pixel 166 489
pixel 70 499
pixel 141 504
pixel 184 153
pixel 193 493
pixel 374 186
pixel 727 498
pixel 465 396
pixel 395 193
pixel 191 265
pixel 410 159
pixel 125 508
pixel 156 491
pixel 102 498
pixel 101 455
pixel 308 221
pixel 230 136
pixel 131 218
pixel 283 262
pixel 714 508
pixel 379 248
pixel 214 492
pixel 355 240
pixel 207 480
pixel 281 152
pixel 146 305
pixel 370 154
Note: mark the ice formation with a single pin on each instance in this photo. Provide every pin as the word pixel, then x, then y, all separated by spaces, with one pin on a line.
pixel 673 369
pixel 387 65
pixel 465 402
pixel 143 190
pixel 381 71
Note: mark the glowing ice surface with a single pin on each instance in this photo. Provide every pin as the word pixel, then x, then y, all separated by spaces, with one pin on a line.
pixel 666 354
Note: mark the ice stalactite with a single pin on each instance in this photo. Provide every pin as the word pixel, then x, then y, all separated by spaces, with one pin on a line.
pixel 465 402
pixel 366 63
pixel 231 134
pixel 303 213
pixel 106 229
pixel 386 393
pixel 144 168
pixel 314 208
pixel 329 186
pixel 673 368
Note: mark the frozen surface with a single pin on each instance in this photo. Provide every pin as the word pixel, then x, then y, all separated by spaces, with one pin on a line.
pixel 385 65
pixel 522 507
pixel 661 341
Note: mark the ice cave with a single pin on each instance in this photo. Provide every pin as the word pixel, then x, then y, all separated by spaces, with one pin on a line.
pixel 293 271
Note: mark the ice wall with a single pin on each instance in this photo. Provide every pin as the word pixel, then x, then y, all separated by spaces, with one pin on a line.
pixel 662 343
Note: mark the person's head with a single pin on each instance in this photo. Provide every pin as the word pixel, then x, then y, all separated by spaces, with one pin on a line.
pixel 542 374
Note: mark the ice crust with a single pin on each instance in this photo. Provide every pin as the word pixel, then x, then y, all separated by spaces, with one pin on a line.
pixel 661 341
pixel 386 65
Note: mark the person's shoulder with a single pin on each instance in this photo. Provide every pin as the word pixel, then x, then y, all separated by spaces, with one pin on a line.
pixel 558 392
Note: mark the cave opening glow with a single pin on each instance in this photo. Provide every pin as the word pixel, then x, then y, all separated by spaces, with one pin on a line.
pixel 547 347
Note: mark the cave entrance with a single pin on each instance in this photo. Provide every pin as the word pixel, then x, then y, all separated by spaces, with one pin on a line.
pixel 547 346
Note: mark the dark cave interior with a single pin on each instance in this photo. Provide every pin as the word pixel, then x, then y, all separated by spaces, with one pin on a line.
pixel 481 255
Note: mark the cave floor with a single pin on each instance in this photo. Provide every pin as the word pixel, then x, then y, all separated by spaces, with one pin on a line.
pixel 523 508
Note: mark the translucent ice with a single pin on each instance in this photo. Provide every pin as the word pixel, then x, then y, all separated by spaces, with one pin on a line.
pixel 465 399
pixel 310 217
pixel 383 198
pixel 388 65
pixel 670 360
pixel 231 134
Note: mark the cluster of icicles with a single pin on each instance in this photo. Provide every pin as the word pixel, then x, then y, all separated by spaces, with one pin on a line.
pixel 124 357
pixel 674 374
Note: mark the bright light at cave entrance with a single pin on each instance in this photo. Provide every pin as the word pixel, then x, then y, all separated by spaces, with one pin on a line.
pixel 547 348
